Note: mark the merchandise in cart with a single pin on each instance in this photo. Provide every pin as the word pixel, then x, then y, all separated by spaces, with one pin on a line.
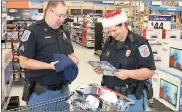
pixel 84 98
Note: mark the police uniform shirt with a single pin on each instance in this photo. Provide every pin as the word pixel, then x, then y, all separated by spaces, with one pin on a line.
pixel 40 42
pixel 134 53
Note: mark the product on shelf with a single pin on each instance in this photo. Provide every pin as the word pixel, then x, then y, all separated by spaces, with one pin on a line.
pixel 12 35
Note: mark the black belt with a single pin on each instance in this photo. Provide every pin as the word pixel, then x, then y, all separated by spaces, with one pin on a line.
pixel 39 89
pixel 127 89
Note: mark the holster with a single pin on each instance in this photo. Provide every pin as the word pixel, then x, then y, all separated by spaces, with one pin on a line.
pixel 39 89
pixel 139 91
pixel 28 89
pixel 149 89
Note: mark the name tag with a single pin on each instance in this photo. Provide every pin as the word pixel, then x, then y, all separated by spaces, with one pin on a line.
pixel 48 37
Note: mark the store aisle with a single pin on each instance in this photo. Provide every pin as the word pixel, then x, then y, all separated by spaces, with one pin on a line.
pixel 86 73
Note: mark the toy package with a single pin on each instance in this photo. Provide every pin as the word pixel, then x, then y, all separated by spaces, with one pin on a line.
pixel 107 68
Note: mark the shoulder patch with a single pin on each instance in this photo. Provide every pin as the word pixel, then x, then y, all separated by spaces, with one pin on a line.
pixel 25 35
pixel 144 50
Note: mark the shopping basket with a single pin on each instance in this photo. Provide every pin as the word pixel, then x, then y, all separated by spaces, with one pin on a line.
pixel 76 101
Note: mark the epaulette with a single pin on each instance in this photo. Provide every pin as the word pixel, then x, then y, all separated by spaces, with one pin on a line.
pixel 35 24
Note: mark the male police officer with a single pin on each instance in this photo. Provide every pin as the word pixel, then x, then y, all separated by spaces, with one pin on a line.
pixel 131 54
pixel 38 44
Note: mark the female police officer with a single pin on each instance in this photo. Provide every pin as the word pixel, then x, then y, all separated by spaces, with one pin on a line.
pixel 131 54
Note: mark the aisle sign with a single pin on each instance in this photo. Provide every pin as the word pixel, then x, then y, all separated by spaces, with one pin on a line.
pixel 141 21
pixel 171 2
pixel 159 22
pixel 177 21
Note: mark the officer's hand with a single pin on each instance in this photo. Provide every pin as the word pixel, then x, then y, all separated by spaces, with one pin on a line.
pixel 98 70
pixel 74 59
pixel 52 65
pixel 122 74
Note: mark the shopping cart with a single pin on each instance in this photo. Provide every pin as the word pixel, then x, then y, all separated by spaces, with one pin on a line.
pixel 76 101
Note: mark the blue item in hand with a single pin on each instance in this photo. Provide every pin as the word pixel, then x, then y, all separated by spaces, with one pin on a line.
pixel 65 65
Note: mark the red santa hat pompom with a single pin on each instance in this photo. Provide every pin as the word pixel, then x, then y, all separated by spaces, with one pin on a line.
pixel 114 18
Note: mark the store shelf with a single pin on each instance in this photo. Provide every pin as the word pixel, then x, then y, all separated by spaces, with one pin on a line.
pixel 82 44
pixel 4 15
pixel 15 30
pixel 22 20
pixel 90 39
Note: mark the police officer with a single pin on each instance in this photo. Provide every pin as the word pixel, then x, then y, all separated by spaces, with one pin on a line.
pixel 131 54
pixel 38 44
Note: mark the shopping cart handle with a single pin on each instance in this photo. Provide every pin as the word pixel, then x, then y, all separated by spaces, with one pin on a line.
pixel 118 94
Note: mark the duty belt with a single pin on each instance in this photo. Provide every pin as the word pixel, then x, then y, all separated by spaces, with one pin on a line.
pixel 127 89
pixel 39 89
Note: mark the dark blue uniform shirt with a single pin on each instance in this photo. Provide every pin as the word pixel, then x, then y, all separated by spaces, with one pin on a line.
pixel 134 53
pixel 40 42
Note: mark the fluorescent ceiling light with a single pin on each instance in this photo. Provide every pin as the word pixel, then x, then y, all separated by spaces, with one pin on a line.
pixel 171 9
pixel 156 2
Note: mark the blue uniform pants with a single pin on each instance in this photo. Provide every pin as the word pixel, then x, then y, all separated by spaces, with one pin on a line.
pixel 140 105
pixel 54 105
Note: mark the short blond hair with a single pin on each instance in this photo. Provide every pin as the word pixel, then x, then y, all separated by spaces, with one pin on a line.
pixel 53 4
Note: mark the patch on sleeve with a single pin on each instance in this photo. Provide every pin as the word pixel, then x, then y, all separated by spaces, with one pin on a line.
pixel 25 35
pixel 144 50
pixel 22 48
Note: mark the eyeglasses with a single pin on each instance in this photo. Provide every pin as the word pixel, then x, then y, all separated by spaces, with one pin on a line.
pixel 59 15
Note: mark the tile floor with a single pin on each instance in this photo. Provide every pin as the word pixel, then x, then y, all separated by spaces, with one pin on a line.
pixel 86 73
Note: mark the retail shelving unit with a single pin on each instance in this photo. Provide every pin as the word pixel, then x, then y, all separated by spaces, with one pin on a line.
pixel 83 31
pixel 6 67
pixel 18 20
pixel 14 32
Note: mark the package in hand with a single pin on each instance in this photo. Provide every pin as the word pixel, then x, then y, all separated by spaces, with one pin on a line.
pixel 107 68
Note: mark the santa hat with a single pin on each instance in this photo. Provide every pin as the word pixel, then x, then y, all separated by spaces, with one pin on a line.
pixel 114 18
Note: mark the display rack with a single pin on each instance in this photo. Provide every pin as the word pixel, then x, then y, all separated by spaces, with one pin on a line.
pixel 18 20
pixel 6 67
pixel 83 30
pixel 14 33
pixel 4 20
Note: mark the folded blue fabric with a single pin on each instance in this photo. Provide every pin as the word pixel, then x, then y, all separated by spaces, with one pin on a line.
pixel 65 65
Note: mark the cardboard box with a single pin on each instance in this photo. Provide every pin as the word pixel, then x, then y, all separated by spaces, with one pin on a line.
pixel 155 47
pixel 153 34
pixel 173 34
pixel 168 89
pixel 171 55
pixel 157 57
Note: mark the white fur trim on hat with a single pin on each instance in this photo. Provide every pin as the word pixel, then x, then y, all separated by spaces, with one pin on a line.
pixel 113 21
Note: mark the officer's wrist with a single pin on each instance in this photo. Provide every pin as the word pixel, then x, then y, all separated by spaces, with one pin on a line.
pixel 131 73
pixel 50 66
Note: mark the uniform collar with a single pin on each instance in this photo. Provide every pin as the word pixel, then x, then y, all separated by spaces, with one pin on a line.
pixel 47 26
pixel 129 37
pixel 124 44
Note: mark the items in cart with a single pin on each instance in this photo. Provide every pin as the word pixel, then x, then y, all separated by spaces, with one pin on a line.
pixel 102 99
pixel 79 102
pixel 17 76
